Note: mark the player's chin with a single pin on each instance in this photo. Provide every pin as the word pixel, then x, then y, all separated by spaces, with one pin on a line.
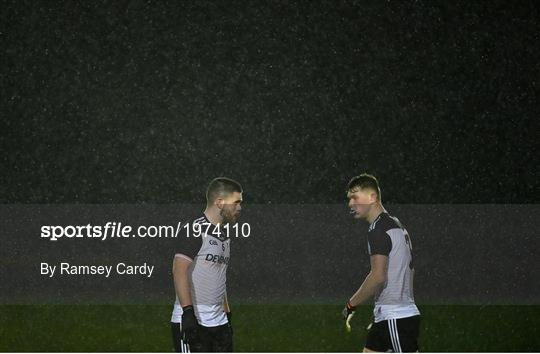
pixel 233 220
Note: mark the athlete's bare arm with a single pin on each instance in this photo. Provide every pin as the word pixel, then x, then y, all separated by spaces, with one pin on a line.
pixel 226 307
pixel 374 280
pixel 181 280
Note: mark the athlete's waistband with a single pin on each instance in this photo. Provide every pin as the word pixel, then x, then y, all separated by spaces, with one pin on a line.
pixel 387 312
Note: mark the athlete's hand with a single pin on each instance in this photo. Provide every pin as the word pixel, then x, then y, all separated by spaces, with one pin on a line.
pixel 189 323
pixel 229 318
pixel 348 313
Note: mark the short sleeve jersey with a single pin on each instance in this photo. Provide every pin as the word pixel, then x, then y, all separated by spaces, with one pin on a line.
pixel 388 237
pixel 210 255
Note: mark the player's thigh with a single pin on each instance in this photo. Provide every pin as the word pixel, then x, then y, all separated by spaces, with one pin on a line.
pixel 223 339
pixel 408 330
pixel 177 338
pixel 201 342
pixel 378 338
pixel 197 343
pixel 396 335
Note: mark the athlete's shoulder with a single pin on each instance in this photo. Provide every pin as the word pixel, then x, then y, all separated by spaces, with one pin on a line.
pixel 385 222
pixel 189 245
pixel 200 220
pixel 379 241
pixel 210 230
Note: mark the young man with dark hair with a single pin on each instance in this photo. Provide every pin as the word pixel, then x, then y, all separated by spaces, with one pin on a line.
pixel 201 318
pixel 396 318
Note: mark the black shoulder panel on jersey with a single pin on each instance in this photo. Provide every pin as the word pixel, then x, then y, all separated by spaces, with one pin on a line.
pixel 379 242
pixel 189 246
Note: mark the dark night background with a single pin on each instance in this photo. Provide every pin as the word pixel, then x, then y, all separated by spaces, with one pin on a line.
pixel 139 104
pixel 135 101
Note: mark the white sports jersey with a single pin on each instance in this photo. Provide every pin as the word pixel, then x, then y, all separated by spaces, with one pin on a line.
pixel 387 236
pixel 207 274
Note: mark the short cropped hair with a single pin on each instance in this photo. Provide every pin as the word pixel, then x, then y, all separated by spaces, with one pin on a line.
pixel 364 181
pixel 220 187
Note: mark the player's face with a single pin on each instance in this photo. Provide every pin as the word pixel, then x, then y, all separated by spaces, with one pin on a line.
pixel 230 212
pixel 360 203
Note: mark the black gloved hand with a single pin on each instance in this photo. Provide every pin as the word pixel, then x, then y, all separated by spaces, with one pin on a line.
pixel 189 323
pixel 229 318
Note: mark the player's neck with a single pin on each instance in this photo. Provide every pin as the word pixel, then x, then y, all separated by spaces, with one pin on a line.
pixel 374 213
pixel 213 216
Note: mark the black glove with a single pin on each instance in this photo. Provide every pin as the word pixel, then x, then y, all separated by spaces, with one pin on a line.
pixel 348 313
pixel 189 323
pixel 229 318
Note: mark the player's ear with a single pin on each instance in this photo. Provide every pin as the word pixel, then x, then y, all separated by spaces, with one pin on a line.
pixel 373 197
pixel 220 202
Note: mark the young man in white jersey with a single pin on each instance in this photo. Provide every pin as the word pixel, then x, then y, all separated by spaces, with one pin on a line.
pixel 396 321
pixel 201 318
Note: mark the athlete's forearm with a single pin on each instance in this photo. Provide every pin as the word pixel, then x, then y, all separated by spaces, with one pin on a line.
pixel 367 290
pixel 226 307
pixel 181 283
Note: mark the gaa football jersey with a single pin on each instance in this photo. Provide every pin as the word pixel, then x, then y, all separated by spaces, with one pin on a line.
pixel 207 274
pixel 387 236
